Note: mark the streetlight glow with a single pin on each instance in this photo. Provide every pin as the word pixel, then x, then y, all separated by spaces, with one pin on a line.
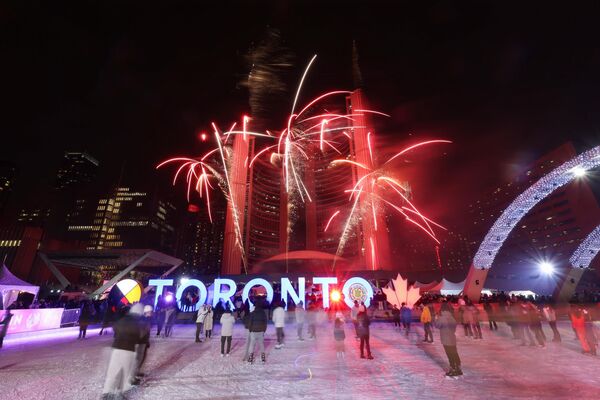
pixel 546 268
pixel 579 172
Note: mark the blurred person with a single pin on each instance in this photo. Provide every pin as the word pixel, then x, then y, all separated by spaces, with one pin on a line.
pixel 353 315
pixel 279 322
pixel 535 324
pixel 426 320
pixel 227 321
pixel 122 359
pixel 339 335
pixel 578 324
pixel 524 322
pixel 4 323
pixel 246 321
pixel 405 318
pixel 85 317
pixel 491 315
pixel 590 335
pixel 300 314
pixel 447 326
pixel 467 318
pixel 160 314
pixel 170 316
pixel 364 334
pixel 141 349
pixel 311 319
pixel 475 320
pixel 396 316
pixel 550 315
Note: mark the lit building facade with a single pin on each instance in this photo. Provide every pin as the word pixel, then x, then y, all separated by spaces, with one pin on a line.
pixel 126 218
pixel 76 169
pixel 8 174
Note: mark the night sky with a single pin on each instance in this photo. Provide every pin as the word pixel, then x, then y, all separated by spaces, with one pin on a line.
pixel 132 83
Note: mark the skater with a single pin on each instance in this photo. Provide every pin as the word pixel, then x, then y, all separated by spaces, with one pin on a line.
pixel 141 349
pixel 208 322
pixel 590 335
pixel 227 321
pixel 396 316
pixel 535 324
pixel 339 335
pixel 447 326
pixel 467 318
pixel 311 319
pixel 247 329
pixel 406 318
pixel 491 315
pixel 363 333
pixel 550 315
pixel 524 321
pixel 107 317
pixel 200 319
pixel 160 314
pixel 87 312
pixel 170 316
pixel 578 323
pixel 122 359
pixel 300 314
pixel 426 321
pixel 475 320
pixel 353 315
pixel 279 322
pixel 4 325
pixel 257 326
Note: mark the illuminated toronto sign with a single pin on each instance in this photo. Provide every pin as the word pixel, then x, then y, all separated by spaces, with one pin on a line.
pixel 354 289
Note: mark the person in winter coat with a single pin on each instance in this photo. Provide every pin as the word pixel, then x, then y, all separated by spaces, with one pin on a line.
pixel 447 326
pixel 468 318
pixel 535 324
pixel 246 321
pixel 122 359
pixel 590 335
pixel 279 322
pixel 141 349
pixel 300 314
pixel 363 333
pixel 208 322
pixel 87 312
pixel 4 325
pixel 578 323
pixel 406 318
pixel 396 316
pixel 550 315
pixel 170 316
pixel 339 335
pixel 353 315
pixel 491 315
pixel 227 322
pixel 426 320
pixel 475 320
pixel 257 325
pixel 200 319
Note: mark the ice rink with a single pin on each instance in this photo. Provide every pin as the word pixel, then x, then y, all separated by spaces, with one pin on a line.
pixel 55 365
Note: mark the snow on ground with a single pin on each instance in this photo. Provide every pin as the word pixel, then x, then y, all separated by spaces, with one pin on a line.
pixel 62 367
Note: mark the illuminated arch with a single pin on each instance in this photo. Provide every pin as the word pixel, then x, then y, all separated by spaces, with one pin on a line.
pixel 527 200
pixel 587 250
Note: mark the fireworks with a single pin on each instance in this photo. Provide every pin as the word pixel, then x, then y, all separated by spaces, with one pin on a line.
pixel 309 132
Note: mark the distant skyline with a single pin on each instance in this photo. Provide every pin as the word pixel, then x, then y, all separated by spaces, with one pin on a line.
pixel 133 84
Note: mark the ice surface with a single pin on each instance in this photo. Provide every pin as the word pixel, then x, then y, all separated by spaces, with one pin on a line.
pixel 58 366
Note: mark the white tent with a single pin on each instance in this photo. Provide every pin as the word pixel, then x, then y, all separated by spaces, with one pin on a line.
pixel 444 287
pixel 10 286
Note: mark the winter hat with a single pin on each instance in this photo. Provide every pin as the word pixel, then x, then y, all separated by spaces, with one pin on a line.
pixel 137 309
pixel 148 309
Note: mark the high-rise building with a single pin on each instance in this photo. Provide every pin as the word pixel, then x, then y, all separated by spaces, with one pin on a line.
pixel 33 216
pixel 266 222
pixel 124 218
pixel 76 169
pixel 8 173
pixel 18 248
pixel 200 240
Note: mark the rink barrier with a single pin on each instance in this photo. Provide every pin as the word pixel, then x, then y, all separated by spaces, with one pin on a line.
pixel 70 317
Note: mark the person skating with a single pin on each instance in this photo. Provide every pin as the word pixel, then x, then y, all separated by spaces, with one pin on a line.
pixel 122 359
pixel 491 315
pixel 578 323
pixel 279 322
pixel 550 315
pixel 466 312
pixel 535 324
pixel 406 318
pixel 208 322
pixel 364 334
pixel 170 316
pixel 590 335
pixel 300 314
pixel 477 334
pixel 87 312
pixel 200 318
pixel 311 319
pixel 257 325
pixel 227 321
pixel 160 314
pixel 353 315
pixel 396 316
pixel 447 327
pixel 4 323
pixel 141 349
pixel 426 320
pixel 339 335
pixel 246 321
